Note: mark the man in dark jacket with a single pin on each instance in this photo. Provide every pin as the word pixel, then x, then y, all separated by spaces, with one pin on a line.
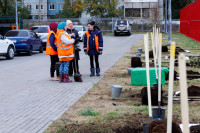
pixel 93 46
pixel 74 33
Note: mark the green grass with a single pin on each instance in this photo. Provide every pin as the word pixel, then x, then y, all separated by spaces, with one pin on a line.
pixel 112 116
pixel 89 112
pixel 141 110
pixel 134 103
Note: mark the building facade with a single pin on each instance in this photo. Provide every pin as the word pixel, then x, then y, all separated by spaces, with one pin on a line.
pixel 143 9
pixel 43 8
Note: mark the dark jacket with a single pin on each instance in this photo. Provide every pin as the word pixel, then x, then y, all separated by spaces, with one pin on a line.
pixel 52 39
pixel 92 46
pixel 77 39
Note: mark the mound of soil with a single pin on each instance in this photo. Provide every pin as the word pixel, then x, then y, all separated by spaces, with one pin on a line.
pixel 118 125
pixel 160 126
pixel 164 48
pixel 191 77
pixel 151 54
pixel 194 91
pixel 192 72
pixel 179 50
pixel 136 62
pixel 154 96
pixel 167 76
pixel 195 129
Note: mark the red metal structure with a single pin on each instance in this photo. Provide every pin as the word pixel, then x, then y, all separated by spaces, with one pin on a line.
pixel 190 21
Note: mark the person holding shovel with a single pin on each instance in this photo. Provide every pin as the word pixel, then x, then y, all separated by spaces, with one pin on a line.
pixel 65 50
pixel 93 46
pixel 71 31
pixel 51 50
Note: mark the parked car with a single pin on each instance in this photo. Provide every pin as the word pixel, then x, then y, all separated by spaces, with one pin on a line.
pixel 81 31
pixel 122 26
pixel 42 31
pixel 25 41
pixel 7 48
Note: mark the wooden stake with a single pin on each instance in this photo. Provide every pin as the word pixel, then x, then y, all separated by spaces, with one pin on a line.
pixel 170 88
pixel 146 45
pixel 159 62
pixel 184 93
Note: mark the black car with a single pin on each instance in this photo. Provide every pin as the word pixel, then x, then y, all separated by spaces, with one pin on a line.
pixel 122 26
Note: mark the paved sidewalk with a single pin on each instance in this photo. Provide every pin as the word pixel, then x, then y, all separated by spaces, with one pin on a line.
pixel 34 108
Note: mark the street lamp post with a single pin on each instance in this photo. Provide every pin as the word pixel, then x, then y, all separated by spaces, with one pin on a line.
pixel 170 22
pixel 16 16
pixel 165 16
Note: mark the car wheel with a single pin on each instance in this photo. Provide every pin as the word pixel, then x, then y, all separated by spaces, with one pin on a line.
pixel 41 49
pixel 10 53
pixel 129 33
pixel 115 34
pixel 30 52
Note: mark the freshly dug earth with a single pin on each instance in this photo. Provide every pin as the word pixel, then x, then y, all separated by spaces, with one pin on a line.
pixel 191 77
pixel 151 54
pixel 192 72
pixel 164 48
pixel 129 123
pixel 194 91
pixel 136 62
pixel 154 96
pixel 160 126
pixel 195 129
pixel 167 76
pixel 179 50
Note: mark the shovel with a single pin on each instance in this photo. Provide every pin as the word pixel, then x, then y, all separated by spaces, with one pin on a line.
pixel 159 113
pixel 77 76
pixel 146 45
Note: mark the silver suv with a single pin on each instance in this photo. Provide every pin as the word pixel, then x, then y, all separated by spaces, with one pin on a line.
pixel 122 26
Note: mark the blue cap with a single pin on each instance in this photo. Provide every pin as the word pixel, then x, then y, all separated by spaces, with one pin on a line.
pixel 62 25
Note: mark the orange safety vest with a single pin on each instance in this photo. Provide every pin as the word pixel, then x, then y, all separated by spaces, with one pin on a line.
pixel 49 49
pixel 62 48
pixel 96 39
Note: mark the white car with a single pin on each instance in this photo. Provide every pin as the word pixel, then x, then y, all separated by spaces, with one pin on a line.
pixel 81 31
pixel 7 48
pixel 42 31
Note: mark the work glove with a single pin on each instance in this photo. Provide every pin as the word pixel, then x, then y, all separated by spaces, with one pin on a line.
pixel 100 52
pixel 77 47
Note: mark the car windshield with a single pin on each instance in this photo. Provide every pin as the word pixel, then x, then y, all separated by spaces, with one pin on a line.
pixel 78 28
pixel 122 22
pixel 86 28
pixel 16 34
pixel 40 29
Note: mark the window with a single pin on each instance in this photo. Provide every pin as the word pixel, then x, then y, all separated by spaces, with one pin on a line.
pixel 37 7
pixel 145 13
pixel 41 7
pixel 17 34
pixel 51 7
pixel 132 12
pixel 61 7
pixel 29 7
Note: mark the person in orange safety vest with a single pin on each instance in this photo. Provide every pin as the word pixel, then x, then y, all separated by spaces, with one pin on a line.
pixel 93 46
pixel 65 51
pixel 51 50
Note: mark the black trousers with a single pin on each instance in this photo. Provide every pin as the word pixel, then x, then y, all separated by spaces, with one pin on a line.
pixel 92 58
pixel 72 67
pixel 54 59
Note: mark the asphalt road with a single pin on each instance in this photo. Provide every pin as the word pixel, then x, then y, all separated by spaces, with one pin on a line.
pixel 23 76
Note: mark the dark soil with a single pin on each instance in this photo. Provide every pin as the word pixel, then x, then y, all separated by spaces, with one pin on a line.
pixel 136 62
pixel 192 72
pixel 195 129
pixel 128 123
pixel 154 96
pixel 179 50
pixel 194 91
pixel 191 77
pixel 167 76
pixel 160 126
pixel 151 54
pixel 164 49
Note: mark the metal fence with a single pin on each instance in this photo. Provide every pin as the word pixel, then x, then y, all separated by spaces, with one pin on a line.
pixel 105 24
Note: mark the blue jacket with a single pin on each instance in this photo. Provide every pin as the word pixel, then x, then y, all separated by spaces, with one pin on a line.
pixel 52 39
pixel 92 46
